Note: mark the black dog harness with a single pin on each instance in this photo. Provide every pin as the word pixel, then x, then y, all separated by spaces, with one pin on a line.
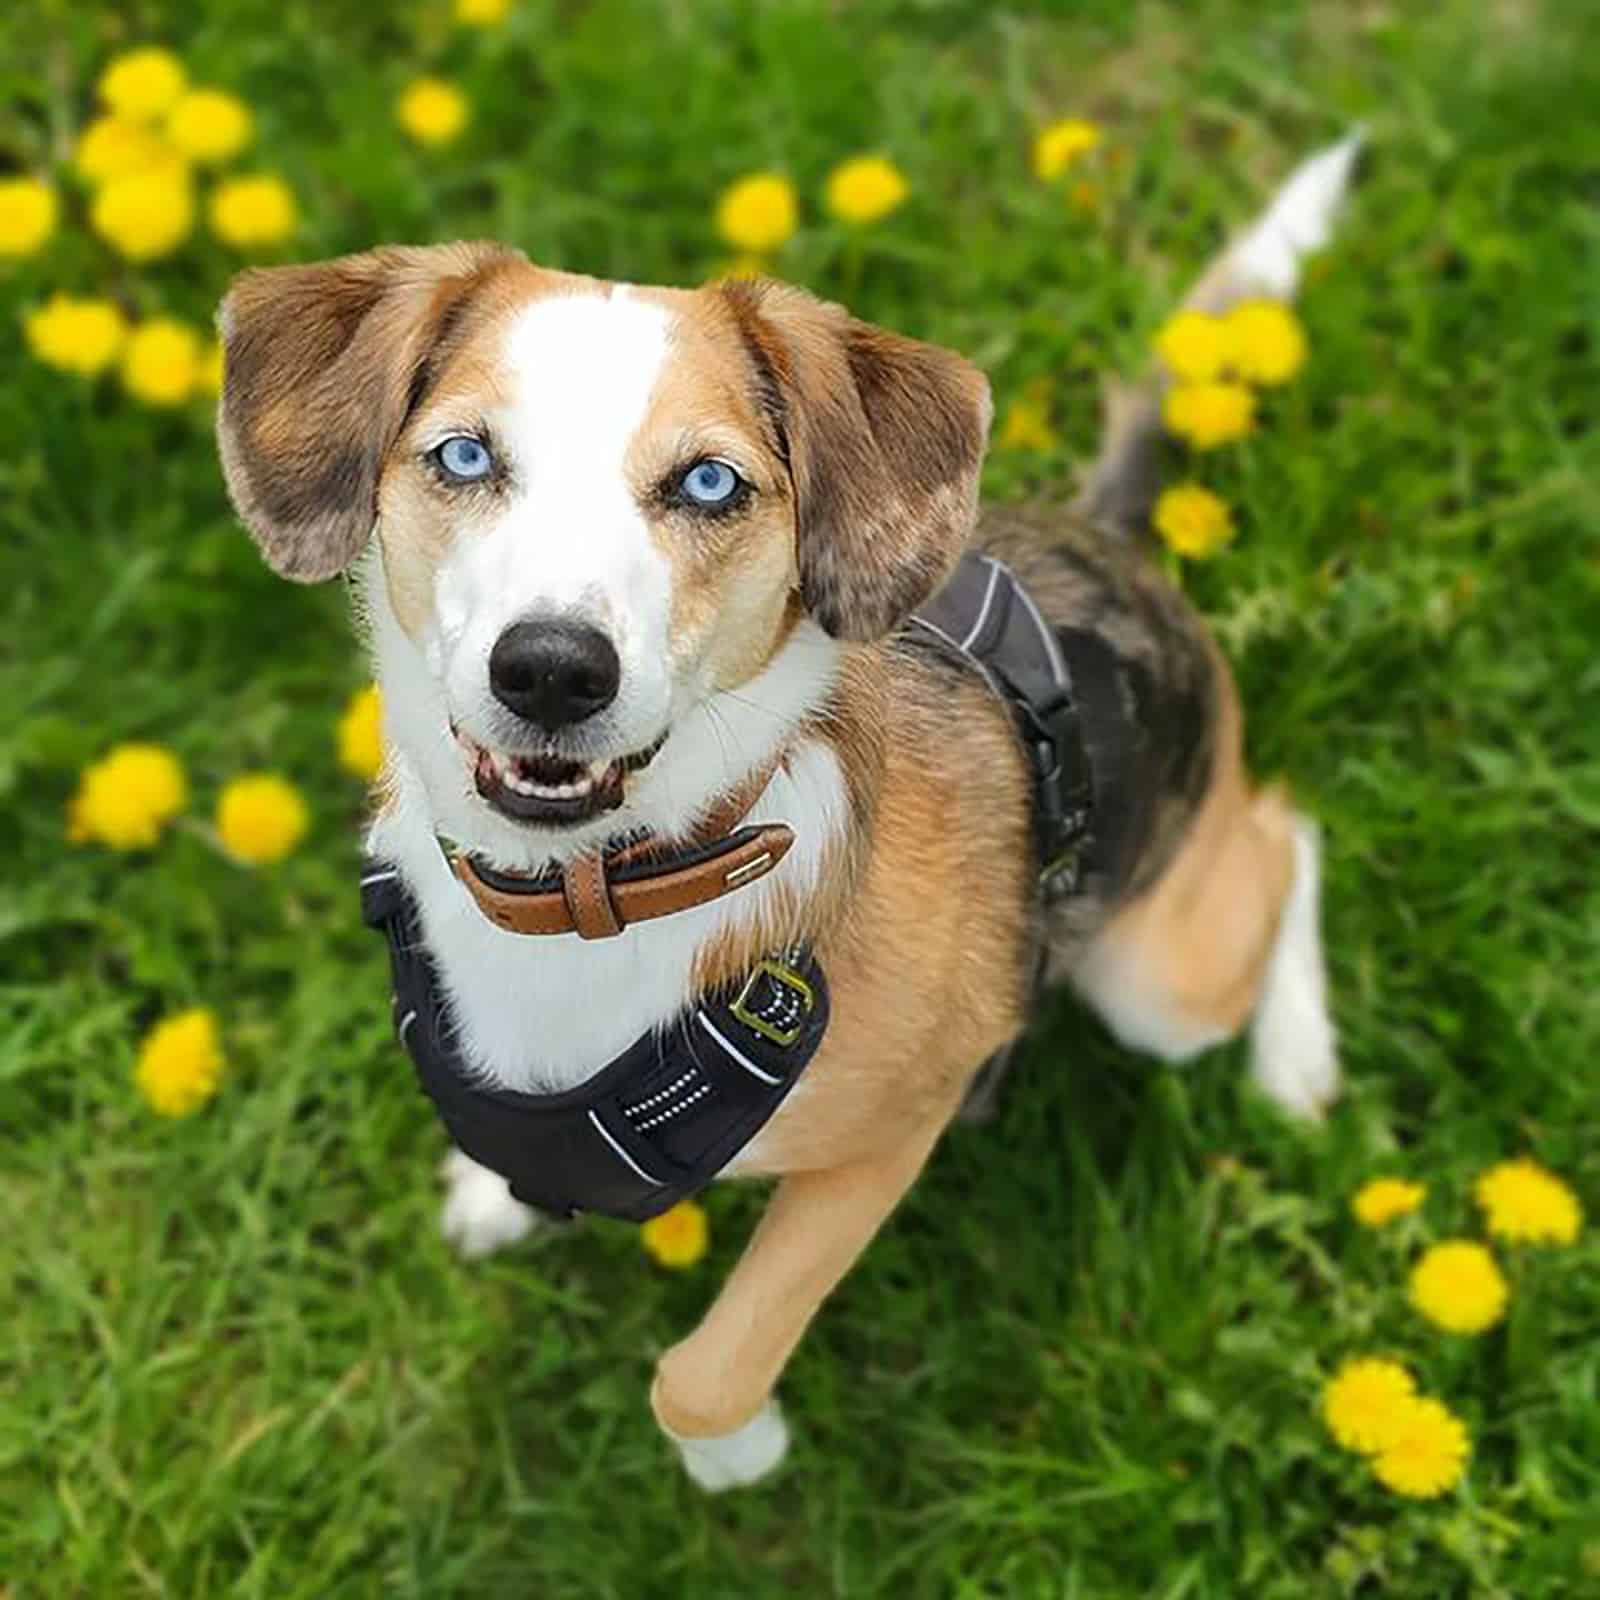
pixel 984 617
pixel 658 1122
pixel 655 1124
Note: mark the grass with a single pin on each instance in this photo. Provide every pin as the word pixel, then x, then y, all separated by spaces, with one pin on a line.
pixel 235 1356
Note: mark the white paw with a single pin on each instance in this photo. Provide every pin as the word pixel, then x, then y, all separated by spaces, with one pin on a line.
pixel 479 1215
pixel 1292 1054
pixel 732 1460
pixel 1299 1072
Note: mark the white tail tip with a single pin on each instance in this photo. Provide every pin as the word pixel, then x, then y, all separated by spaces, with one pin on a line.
pixel 1299 220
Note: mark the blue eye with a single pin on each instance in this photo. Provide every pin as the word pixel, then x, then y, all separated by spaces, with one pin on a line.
pixel 710 483
pixel 464 457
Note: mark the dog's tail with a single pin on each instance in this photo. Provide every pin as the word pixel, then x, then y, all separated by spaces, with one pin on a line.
pixel 1262 263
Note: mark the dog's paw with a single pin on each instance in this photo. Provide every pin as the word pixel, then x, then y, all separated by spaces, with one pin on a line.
pixel 732 1460
pixel 1296 1066
pixel 479 1215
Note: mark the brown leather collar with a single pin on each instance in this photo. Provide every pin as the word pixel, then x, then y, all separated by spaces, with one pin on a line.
pixel 596 896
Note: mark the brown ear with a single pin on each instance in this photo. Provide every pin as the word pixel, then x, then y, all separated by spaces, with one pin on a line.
pixel 323 364
pixel 885 439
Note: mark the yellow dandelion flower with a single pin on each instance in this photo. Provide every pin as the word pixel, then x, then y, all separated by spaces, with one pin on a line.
pixel 1192 521
pixel 253 211
pixel 117 147
pixel 161 363
pixel 146 214
pixel 180 1063
pixel 142 83
pixel 127 797
pixel 1458 1286
pixel 82 336
pixel 432 111
pixel 260 819
pixel 1061 144
pixel 29 211
pixel 1193 346
pixel 1209 414
pixel 1523 1202
pixel 758 214
pixel 1362 1401
pixel 482 13
pixel 1027 420
pixel 677 1238
pixel 864 190
pixel 208 374
pixel 210 125
pixel 1265 343
pixel 1384 1199
pixel 1426 1452
pixel 360 733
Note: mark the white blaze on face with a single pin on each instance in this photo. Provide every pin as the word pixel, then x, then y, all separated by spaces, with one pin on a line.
pixel 570 540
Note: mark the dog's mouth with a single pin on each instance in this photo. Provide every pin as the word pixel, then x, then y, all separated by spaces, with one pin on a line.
pixel 549 788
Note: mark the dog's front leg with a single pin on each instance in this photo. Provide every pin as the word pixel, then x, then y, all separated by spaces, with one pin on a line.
pixel 713 1390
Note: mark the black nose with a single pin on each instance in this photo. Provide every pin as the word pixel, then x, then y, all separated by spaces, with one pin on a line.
pixel 554 673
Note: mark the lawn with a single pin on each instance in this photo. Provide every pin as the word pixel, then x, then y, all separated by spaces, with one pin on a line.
pixel 236 1358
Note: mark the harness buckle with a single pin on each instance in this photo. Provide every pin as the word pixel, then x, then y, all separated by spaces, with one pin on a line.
pixel 1060 876
pixel 774 1002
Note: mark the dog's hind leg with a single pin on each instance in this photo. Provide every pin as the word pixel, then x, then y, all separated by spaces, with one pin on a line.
pixel 1292 1047
pixel 1227 934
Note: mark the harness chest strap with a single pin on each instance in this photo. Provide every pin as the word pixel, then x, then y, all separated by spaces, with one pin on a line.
pixel 984 617
pixel 654 1124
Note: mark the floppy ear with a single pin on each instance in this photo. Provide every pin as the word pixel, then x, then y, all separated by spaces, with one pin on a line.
pixel 322 366
pixel 885 438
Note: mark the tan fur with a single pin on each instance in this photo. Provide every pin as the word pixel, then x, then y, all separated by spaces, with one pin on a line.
pixel 816 1225
pixel 734 579
pixel 1201 935
pixel 917 924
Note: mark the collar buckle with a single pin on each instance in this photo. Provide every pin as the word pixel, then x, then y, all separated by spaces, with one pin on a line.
pixel 775 1002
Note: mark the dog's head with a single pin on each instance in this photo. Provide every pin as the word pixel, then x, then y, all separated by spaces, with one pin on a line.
pixel 609 519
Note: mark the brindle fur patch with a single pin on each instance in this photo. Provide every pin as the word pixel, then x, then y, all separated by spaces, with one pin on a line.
pixel 322 364
pixel 884 437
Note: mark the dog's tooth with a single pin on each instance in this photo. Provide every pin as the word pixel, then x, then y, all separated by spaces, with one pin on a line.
pixel 560 791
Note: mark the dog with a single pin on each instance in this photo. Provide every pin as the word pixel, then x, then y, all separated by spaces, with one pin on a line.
pixel 699 822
